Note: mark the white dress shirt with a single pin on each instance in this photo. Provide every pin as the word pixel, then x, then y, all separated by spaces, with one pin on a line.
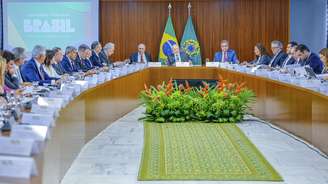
pixel 177 57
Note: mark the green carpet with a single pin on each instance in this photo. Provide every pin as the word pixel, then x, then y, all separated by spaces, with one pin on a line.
pixel 201 151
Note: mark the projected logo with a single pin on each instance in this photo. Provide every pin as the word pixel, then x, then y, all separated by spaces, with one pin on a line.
pixel 48 26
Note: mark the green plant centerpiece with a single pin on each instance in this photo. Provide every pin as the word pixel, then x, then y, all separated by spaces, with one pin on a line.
pixel 223 103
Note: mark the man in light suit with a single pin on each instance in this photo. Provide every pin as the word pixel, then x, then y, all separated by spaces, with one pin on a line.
pixel 226 54
pixel 68 63
pixel 141 56
pixel 308 58
pixel 279 56
pixel 33 70
pixel 105 54
pixel 177 56
pixel 290 51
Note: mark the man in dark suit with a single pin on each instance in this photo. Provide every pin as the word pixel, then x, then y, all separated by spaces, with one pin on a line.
pixel 96 49
pixel 141 56
pixel 33 70
pixel 308 58
pixel 177 56
pixel 226 54
pixel 68 63
pixel 278 54
pixel 82 61
pixel 105 54
pixel 290 51
pixel 58 58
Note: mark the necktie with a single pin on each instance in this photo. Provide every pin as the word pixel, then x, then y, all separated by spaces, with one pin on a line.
pixel 41 72
pixel 225 59
pixel 141 58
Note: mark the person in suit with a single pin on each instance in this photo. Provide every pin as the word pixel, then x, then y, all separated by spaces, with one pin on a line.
pixel 11 81
pixel 290 49
pixel 177 56
pixel 226 54
pixel 262 57
pixel 49 61
pixel 57 58
pixel 82 59
pixel 96 49
pixel 141 56
pixel 308 58
pixel 323 54
pixel 105 54
pixel 20 57
pixel 33 70
pixel 68 63
pixel 279 55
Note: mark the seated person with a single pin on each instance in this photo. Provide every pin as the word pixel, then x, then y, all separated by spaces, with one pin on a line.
pixel 177 56
pixel 141 56
pixel 33 70
pixel 290 51
pixel 11 81
pixel 309 59
pixel 82 61
pixel 68 63
pixel 262 57
pixel 48 68
pixel 58 57
pixel 105 54
pixel 3 99
pixel 278 54
pixel 226 54
pixel 96 49
pixel 323 54
pixel 20 57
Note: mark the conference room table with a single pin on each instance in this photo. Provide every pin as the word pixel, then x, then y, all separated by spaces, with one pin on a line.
pixel 300 111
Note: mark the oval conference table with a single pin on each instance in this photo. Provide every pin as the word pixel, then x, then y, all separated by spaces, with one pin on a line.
pixel 300 111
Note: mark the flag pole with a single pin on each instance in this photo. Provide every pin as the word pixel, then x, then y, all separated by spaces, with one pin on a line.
pixel 169 7
pixel 189 8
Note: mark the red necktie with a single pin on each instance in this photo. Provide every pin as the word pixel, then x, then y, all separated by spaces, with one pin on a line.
pixel 142 58
pixel 225 57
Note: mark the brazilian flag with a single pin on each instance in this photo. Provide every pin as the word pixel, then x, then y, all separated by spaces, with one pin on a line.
pixel 168 40
pixel 190 44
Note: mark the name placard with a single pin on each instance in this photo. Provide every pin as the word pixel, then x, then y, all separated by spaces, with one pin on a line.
pixel 19 147
pixel 182 64
pixel 212 64
pixel 154 64
pixel 52 102
pixel 38 119
pixel 17 167
pixel 37 109
pixel 35 132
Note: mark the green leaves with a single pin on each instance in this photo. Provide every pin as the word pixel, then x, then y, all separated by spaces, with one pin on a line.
pixel 173 103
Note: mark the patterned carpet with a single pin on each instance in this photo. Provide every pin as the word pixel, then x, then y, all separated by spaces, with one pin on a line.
pixel 201 151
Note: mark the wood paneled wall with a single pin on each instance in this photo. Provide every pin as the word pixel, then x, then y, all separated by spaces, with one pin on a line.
pixel 242 22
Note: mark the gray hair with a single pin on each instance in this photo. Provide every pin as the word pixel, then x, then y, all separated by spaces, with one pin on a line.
pixel 141 44
pixel 277 43
pixel 70 49
pixel 38 50
pixel 108 46
pixel 19 53
pixel 224 41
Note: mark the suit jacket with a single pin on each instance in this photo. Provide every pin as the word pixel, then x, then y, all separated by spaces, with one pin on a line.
pixel 289 61
pixel 67 66
pixel 232 56
pixel 95 60
pixel 314 62
pixel 31 73
pixel 171 58
pixel 59 69
pixel 278 59
pixel 264 60
pixel 104 59
pixel 11 81
pixel 134 57
pixel 83 64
